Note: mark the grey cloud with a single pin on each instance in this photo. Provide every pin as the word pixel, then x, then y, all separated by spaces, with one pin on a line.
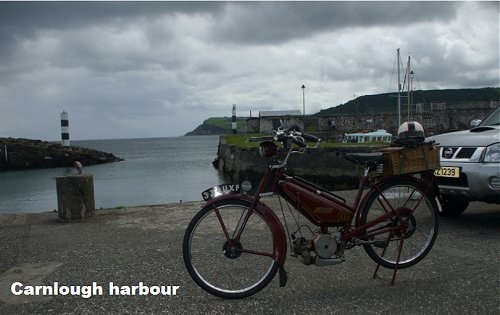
pixel 26 21
pixel 238 22
pixel 165 67
pixel 30 16
pixel 8 43
pixel 272 22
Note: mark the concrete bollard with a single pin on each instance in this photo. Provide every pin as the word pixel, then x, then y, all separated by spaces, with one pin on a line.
pixel 75 197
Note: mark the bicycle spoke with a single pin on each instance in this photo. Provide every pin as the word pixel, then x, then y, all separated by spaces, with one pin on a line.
pixel 221 222
pixel 380 201
pixel 243 250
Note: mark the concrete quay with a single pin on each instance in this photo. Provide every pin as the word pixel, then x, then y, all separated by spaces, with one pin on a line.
pixel 129 246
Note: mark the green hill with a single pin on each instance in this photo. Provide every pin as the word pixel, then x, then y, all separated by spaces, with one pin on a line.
pixel 387 102
pixel 219 126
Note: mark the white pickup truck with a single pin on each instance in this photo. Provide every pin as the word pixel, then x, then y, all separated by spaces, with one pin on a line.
pixel 470 165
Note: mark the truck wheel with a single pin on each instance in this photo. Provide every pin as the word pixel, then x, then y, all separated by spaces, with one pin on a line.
pixel 453 206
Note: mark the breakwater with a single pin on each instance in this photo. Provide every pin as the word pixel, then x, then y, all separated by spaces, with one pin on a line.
pixel 20 154
pixel 326 167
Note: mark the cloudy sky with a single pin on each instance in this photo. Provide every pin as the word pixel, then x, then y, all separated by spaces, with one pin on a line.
pixel 157 69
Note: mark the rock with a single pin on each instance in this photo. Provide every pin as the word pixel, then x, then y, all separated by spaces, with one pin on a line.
pixel 31 154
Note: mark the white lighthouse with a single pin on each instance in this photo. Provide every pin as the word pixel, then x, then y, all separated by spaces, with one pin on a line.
pixel 233 120
pixel 64 129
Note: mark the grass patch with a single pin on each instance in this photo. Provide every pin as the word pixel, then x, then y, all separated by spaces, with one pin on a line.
pixel 226 122
pixel 240 140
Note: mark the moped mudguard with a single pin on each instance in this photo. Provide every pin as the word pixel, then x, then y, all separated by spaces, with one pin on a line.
pixel 277 230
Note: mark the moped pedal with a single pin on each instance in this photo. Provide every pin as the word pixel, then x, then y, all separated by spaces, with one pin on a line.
pixel 283 276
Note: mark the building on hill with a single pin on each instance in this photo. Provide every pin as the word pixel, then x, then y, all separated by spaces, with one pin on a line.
pixel 253 124
pixel 271 120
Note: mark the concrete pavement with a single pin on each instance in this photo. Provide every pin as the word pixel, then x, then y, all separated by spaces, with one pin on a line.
pixel 129 246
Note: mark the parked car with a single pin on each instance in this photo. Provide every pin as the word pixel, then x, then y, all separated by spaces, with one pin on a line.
pixel 470 164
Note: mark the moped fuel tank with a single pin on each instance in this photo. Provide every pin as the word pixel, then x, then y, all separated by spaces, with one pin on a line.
pixel 318 207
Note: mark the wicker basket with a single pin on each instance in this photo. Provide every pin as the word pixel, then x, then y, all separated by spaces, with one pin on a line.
pixel 401 160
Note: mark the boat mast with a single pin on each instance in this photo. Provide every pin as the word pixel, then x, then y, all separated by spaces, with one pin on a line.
pixel 409 87
pixel 399 91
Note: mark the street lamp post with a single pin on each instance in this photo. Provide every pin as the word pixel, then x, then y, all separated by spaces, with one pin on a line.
pixel 304 106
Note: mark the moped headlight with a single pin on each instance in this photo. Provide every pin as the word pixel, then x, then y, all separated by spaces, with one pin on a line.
pixel 268 149
pixel 492 153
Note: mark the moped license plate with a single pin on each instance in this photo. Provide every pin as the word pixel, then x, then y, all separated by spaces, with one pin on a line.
pixel 220 190
pixel 446 171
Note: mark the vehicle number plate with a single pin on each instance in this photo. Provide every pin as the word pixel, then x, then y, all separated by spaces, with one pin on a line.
pixel 448 172
pixel 221 190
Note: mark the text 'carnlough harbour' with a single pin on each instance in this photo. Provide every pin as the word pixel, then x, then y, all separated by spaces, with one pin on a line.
pixel 88 291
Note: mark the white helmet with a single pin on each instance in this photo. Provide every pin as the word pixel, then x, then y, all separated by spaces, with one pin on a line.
pixel 410 134
pixel 411 129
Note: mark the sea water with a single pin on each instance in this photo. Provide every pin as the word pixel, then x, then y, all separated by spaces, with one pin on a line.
pixel 155 171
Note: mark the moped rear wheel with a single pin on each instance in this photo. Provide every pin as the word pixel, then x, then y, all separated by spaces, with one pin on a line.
pixel 417 229
pixel 220 263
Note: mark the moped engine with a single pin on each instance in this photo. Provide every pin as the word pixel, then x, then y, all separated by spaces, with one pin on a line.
pixel 325 245
pixel 301 246
pixel 323 250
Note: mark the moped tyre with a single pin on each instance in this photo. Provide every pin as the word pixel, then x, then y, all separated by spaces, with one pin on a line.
pixel 222 266
pixel 395 249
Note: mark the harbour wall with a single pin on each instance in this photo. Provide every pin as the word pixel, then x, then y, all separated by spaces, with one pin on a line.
pixel 434 121
pixel 326 167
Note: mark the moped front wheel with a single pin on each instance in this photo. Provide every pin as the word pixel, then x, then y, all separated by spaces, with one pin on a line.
pixel 413 233
pixel 225 259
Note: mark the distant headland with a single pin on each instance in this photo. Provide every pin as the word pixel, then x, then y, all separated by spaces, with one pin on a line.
pixel 21 154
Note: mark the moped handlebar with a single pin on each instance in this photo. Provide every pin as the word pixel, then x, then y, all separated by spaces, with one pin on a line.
pixel 309 137
pixel 299 141
pixel 292 128
pixel 295 136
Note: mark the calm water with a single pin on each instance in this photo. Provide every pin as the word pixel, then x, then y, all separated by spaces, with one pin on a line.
pixel 155 171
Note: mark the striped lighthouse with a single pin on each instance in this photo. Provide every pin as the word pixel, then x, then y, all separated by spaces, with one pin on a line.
pixel 233 120
pixel 64 129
